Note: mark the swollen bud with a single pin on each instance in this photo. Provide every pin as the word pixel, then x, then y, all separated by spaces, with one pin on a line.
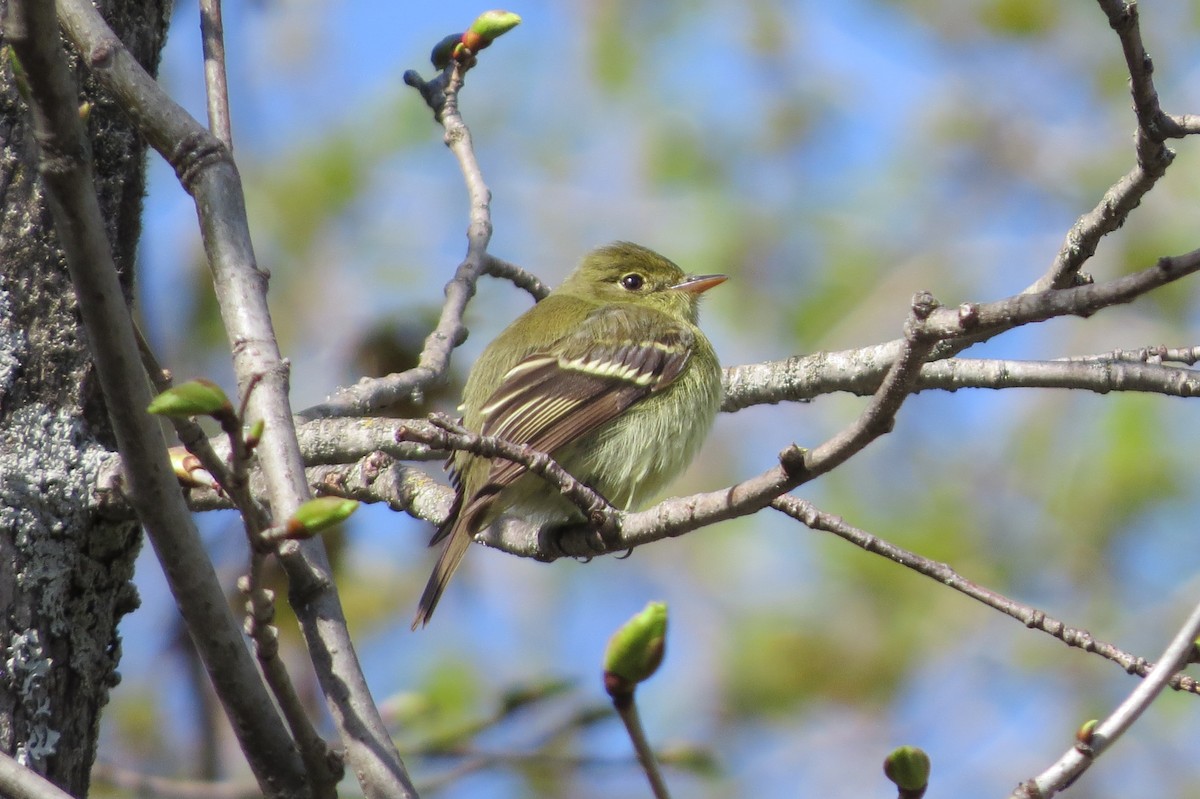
pixel 462 47
pixel 487 27
pixel 1086 732
pixel 636 650
pixel 189 471
pixel 318 514
pixel 198 397
pixel 908 767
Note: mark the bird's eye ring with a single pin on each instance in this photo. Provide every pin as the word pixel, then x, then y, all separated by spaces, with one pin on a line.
pixel 633 281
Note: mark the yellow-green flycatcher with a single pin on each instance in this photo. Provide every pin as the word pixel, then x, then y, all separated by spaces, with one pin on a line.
pixel 609 375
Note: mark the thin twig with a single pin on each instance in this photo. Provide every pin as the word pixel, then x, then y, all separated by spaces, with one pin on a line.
pixel 445 434
pixel 21 782
pixel 216 86
pixel 323 765
pixel 1188 356
pixel 796 466
pixel 982 321
pixel 632 720
pixel 808 515
pixel 1080 757
pixel 190 433
pixel 370 395
pixel 520 278
pixel 1153 157
pixel 805 377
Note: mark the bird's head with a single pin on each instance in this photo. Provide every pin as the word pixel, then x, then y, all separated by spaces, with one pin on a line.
pixel 629 273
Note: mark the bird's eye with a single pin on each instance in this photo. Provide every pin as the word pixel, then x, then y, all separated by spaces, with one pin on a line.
pixel 633 281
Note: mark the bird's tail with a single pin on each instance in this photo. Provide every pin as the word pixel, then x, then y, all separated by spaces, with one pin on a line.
pixel 452 554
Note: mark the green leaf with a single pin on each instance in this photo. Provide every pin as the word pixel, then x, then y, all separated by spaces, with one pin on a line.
pixel 198 397
pixel 319 514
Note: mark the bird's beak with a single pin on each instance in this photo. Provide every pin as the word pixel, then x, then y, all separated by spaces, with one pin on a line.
pixel 698 284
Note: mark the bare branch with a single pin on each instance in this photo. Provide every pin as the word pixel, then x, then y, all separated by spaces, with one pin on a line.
pixel 497 267
pixel 65 166
pixel 1153 157
pixel 1099 377
pixel 1080 757
pixel 445 434
pixel 1108 215
pixel 984 320
pixel 1156 355
pixel 379 478
pixel 207 172
pixel 804 377
pixel 371 395
pixel 21 782
pixel 216 87
pixel 1153 123
pixel 808 515
pixel 796 466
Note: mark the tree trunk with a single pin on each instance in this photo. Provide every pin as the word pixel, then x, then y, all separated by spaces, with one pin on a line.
pixel 64 570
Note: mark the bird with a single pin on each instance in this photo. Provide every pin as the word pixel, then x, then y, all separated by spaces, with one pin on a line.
pixel 608 374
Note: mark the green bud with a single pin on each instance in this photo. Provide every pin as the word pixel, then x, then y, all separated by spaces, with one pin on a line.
pixel 489 26
pixel 317 514
pixel 443 51
pixel 194 398
pixel 908 767
pixel 1086 731
pixel 255 433
pixel 636 650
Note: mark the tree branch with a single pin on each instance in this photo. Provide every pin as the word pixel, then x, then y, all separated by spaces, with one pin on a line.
pixel 207 172
pixel 805 377
pixel 808 515
pixel 520 278
pixel 928 326
pixel 1080 757
pixel 796 467
pixel 21 782
pixel 1153 157
pixel 65 166
pixel 216 86
pixel 370 395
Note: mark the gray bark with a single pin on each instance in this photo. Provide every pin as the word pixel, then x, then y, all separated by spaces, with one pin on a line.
pixel 64 569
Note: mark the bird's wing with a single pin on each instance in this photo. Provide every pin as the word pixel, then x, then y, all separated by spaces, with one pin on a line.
pixel 615 358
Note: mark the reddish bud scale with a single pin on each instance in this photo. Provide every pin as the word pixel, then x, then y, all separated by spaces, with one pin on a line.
pixel 474 41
